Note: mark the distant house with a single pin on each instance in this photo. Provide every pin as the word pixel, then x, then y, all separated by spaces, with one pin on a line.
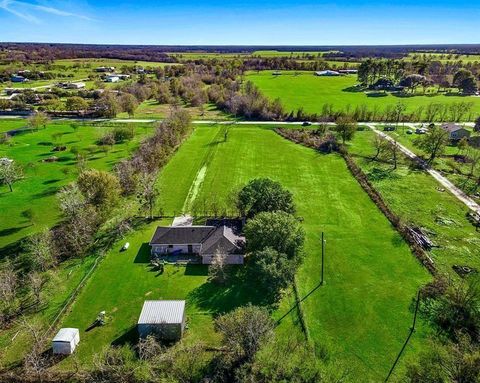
pixel 104 69
pixel 66 341
pixel 18 78
pixel 327 73
pixel 164 319
pixel 456 132
pixel 348 71
pixel 112 78
pixel 203 241
pixel 75 85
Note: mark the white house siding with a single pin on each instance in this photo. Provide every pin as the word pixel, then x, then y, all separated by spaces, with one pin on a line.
pixel 231 259
pixel 165 249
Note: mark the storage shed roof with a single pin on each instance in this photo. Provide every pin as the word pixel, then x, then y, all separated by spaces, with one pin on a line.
pixel 66 335
pixel 162 312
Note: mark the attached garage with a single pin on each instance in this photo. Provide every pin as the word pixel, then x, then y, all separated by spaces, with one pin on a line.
pixel 164 319
pixel 66 341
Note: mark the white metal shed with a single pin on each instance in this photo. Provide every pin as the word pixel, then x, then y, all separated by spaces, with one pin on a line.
pixel 66 341
pixel 163 318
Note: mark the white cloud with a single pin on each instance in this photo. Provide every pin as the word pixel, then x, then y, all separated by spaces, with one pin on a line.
pixel 24 10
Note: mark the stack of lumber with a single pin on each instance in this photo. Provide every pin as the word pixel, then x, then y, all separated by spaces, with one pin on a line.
pixel 420 238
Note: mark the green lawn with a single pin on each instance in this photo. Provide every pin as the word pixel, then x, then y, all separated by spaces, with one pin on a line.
pixel 361 316
pixel 36 191
pixel 415 197
pixel 312 92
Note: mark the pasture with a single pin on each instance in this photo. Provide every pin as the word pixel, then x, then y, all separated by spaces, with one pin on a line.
pixel 312 92
pixel 32 204
pixel 417 198
pixel 457 171
pixel 360 317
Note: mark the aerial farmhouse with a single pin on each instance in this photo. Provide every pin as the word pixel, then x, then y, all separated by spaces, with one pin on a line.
pixel 202 241
pixel 456 132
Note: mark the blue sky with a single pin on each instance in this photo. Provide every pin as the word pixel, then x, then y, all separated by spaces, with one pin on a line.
pixel 248 22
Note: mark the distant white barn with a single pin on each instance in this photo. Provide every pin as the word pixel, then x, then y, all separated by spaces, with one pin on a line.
pixel 66 341
pixel 327 73
pixel 165 319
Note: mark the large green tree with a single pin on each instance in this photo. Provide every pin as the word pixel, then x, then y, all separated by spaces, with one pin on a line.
pixel 278 230
pixel 264 194
pixel 433 142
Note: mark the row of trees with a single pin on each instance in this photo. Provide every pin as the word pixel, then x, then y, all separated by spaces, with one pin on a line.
pixel 414 74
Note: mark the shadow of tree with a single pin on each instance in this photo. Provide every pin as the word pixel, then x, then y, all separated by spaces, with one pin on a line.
pixel 239 291
pixel 143 254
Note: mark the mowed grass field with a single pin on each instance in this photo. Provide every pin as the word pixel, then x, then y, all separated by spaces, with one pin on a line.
pixel 362 315
pixel 35 192
pixel 311 92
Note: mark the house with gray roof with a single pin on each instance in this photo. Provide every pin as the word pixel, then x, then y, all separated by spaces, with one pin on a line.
pixel 456 132
pixel 204 241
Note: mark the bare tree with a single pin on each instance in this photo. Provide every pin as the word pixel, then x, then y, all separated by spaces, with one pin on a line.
pixel 36 282
pixel 218 270
pixel 380 144
pixel 147 193
pixel 9 173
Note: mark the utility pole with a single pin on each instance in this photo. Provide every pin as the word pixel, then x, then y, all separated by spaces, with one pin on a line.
pixel 323 259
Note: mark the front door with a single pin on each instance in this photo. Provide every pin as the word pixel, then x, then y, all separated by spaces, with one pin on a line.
pixel 190 249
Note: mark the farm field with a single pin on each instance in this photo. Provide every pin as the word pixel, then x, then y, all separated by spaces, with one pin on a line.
pixel 416 197
pixel 312 92
pixel 35 193
pixel 152 109
pixel 456 171
pixel 444 57
pixel 361 316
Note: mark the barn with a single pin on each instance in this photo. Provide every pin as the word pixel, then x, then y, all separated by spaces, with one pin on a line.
pixel 66 341
pixel 163 318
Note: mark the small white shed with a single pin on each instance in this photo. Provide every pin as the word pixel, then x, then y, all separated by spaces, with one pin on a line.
pixel 66 341
pixel 165 319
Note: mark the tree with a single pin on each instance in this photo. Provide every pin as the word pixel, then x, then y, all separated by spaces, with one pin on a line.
pixel 400 108
pixel 476 128
pixel 264 194
pixel 380 144
pixel 449 362
pixel 244 330
pixel 129 103
pixel 99 188
pixel 71 200
pixel 272 272
pixel 462 144
pixel 9 284
pixel 413 81
pixel 107 105
pixel 345 127
pixel 36 282
pixel 39 253
pixel 219 269
pixel 277 230
pixel 9 173
pixel 473 154
pixel 464 80
pixel 147 193
pixel 433 142
pixel 37 120
pixel 76 103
